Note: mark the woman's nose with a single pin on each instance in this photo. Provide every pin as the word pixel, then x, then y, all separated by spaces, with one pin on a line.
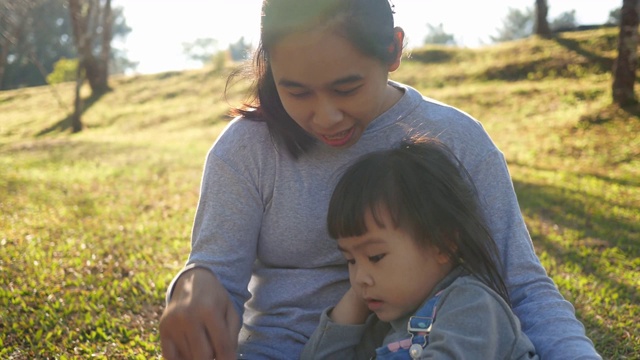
pixel 327 114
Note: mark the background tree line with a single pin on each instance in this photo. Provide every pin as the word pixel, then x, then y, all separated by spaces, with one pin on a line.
pixel 519 24
pixel 37 34
pixel 45 41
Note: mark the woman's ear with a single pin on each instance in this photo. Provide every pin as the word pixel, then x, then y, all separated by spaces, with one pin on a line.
pixel 396 48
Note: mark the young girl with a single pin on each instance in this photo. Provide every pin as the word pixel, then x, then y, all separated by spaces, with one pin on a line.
pixel 421 259
pixel 262 266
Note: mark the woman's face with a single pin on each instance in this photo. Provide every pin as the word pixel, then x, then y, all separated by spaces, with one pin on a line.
pixel 330 88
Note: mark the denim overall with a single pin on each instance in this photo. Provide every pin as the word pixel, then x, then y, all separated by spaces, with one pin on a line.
pixel 419 327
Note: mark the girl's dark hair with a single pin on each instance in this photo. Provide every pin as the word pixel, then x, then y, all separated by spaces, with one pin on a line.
pixel 429 194
pixel 367 24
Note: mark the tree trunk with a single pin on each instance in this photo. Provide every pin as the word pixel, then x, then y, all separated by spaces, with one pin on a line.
pixel 81 40
pixel 84 25
pixel 624 68
pixel 76 117
pixel 542 25
pixel 105 53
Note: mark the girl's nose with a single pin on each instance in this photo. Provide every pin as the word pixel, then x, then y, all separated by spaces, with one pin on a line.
pixel 362 277
pixel 327 114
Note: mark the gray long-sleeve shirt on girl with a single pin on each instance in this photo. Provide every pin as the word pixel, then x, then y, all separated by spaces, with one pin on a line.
pixel 260 227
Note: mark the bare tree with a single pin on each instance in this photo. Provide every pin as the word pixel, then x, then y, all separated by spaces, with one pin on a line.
pixel 81 13
pixel 13 20
pixel 542 25
pixel 624 68
pixel 91 18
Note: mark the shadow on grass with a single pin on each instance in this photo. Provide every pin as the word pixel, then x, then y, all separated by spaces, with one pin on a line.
pixel 65 124
pixel 603 64
pixel 592 216
pixel 609 113
pixel 598 229
pixel 52 152
pixel 631 181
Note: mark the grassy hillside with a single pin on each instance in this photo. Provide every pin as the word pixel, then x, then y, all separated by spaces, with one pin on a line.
pixel 94 225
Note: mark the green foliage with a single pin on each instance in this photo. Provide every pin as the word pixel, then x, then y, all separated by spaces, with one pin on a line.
pixel 437 35
pixel 240 50
pixel 517 24
pixel 220 61
pixel 614 16
pixel 565 21
pixel 201 50
pixel 93 226
pixel 64 70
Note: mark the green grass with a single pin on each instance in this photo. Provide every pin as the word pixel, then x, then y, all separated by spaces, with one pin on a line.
pixel 94 225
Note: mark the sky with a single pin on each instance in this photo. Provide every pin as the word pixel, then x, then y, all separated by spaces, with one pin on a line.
pixel 160 27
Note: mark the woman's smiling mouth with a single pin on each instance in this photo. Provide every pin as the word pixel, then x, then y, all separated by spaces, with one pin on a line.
pixel 338 139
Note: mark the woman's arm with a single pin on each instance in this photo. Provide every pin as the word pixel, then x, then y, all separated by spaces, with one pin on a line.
pixel 206 299
pixel 547 318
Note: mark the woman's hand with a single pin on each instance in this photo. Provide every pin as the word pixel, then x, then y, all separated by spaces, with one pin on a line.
pixel 351 309
pixel 200 321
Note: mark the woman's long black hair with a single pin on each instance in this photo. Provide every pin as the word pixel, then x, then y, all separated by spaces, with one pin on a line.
pixel 427 192
pixel 367 24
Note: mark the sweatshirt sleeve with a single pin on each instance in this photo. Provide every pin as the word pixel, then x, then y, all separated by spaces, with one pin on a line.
pixel 336 341
pixel 473 322
pixel 547 318
pixel 226 227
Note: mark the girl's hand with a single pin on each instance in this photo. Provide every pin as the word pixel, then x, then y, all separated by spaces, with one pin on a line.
pixel 200 321
pixel 351 309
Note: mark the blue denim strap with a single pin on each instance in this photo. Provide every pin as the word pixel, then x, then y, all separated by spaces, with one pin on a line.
pixel 418 327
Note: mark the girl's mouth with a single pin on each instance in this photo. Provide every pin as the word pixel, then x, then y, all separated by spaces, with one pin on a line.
pixel 374 304
pixel 338 139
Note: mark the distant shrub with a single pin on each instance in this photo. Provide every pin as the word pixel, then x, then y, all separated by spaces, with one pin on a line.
pixel 219 60
pixel 63 70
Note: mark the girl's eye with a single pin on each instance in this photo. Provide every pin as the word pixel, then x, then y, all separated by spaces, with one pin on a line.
pixel 374 259
pixel 351 261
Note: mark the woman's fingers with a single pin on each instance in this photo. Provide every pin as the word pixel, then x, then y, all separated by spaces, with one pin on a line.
pixel 233 323
pixel 199 345
pixel 200 322
pixel 222 333
pixel 169 348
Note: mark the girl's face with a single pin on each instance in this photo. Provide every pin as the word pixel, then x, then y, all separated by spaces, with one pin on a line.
pixel 390 271
pixel 330 88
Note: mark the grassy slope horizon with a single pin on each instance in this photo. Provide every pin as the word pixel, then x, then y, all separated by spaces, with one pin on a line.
pixel 94 225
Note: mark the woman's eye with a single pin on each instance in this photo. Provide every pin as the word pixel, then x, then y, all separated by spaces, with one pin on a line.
pixel 374 259
pixel 347 91
pixel 351 261
pixel 299 94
